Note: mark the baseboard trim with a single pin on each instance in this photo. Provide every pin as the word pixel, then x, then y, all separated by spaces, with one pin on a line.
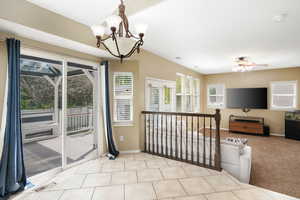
pixel 131 151
pixel 273 134
pixel 276 134
pixel 214 128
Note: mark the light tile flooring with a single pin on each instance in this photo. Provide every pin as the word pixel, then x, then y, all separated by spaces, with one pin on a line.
pixel 146 177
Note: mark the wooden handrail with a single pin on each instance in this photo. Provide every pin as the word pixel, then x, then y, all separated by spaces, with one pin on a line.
pixel 180 114
pixel 178 142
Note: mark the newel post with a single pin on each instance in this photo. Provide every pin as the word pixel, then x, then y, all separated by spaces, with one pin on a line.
pixel 217 141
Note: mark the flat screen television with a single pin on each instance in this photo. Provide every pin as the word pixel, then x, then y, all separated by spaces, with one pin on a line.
pixel 254 98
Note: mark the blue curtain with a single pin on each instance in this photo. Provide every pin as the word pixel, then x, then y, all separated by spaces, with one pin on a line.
pixel 12 170
pixel 110 140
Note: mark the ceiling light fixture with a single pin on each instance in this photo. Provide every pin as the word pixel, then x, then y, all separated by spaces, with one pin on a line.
pixel 120 42
pixel 244 64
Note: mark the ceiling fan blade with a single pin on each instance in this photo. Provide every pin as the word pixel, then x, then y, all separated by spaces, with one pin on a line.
pixel 261 65
pixel 256 65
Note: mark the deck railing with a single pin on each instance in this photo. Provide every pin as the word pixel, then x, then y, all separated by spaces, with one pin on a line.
pixel 188 137
pixel 80 122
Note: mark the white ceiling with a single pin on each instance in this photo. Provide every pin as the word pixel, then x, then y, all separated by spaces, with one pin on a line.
pixel 206 33
pixel 89 12
pixel 30 33
pixel 211 33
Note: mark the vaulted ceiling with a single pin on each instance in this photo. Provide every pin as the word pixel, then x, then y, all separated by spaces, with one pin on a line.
pixel 207 35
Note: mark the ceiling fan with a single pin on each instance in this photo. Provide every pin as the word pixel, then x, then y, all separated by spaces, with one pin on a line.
pixel 244 64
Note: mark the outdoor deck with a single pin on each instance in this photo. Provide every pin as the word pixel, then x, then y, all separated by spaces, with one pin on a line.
pixel 44 155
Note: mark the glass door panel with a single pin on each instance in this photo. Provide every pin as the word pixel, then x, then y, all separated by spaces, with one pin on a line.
pixel 81 134
pixel 154 99
pixel 40 108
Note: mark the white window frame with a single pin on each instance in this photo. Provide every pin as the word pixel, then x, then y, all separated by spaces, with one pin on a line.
pixel 193 92
pixel 188 92
pixel 160 84
pixel 182 93
pixel 117 122
pixel 196 95
pixel 63 115
pixel 272 107
pixel 213 105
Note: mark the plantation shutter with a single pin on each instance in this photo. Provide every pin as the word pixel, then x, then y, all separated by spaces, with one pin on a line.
pixel 284 94
pixel 123 95
pixel 123 109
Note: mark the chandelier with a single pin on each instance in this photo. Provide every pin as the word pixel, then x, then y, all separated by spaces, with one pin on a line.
pixel 116 37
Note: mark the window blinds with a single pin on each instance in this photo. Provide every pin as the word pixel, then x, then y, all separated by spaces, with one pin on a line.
pixel 284 94
pixel 123 95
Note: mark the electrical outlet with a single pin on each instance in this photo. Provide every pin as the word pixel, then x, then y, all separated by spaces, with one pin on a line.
pixel 122 138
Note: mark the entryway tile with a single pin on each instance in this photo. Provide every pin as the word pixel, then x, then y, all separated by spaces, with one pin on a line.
pixel 94 180
pixel 124 177
pixel 125 156
pixel 174 163
pixel 113 166
pixel 145 175
pixel 139 191
pixel 71 182
pixel 198 197
pixel 135 164
pixel 221 183
pixel 156 163
pixel 194 186
pixel 109 193
pixel 195 171
pixel 89 168
pixel 48 195
pixel 252 194
pixel 82 194
pixel 173 172
pixel 222 196
pixel 143 156
pixel 168 189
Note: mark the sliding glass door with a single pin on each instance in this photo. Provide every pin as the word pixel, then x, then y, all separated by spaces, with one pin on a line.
pixel 59 101
pixel 81 133
pixel 40 107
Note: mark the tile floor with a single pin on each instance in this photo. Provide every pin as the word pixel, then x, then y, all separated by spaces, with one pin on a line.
pixel 146 177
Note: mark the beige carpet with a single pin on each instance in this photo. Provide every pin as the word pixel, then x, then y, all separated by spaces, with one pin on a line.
pixel 275 163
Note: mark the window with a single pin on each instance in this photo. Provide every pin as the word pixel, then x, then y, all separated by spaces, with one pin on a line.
pixel 187 94
pixel 180 93
pixel 154 99
pixel 284 95
pixel 123 96
pixel 196 94
pixel 167 95
pixel 216 96
pixel 160 95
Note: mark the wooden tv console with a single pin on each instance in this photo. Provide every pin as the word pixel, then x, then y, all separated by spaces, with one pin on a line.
pixel 250 125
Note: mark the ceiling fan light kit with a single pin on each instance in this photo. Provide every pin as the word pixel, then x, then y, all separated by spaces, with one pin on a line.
pixel 245 65
pixel 120 42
